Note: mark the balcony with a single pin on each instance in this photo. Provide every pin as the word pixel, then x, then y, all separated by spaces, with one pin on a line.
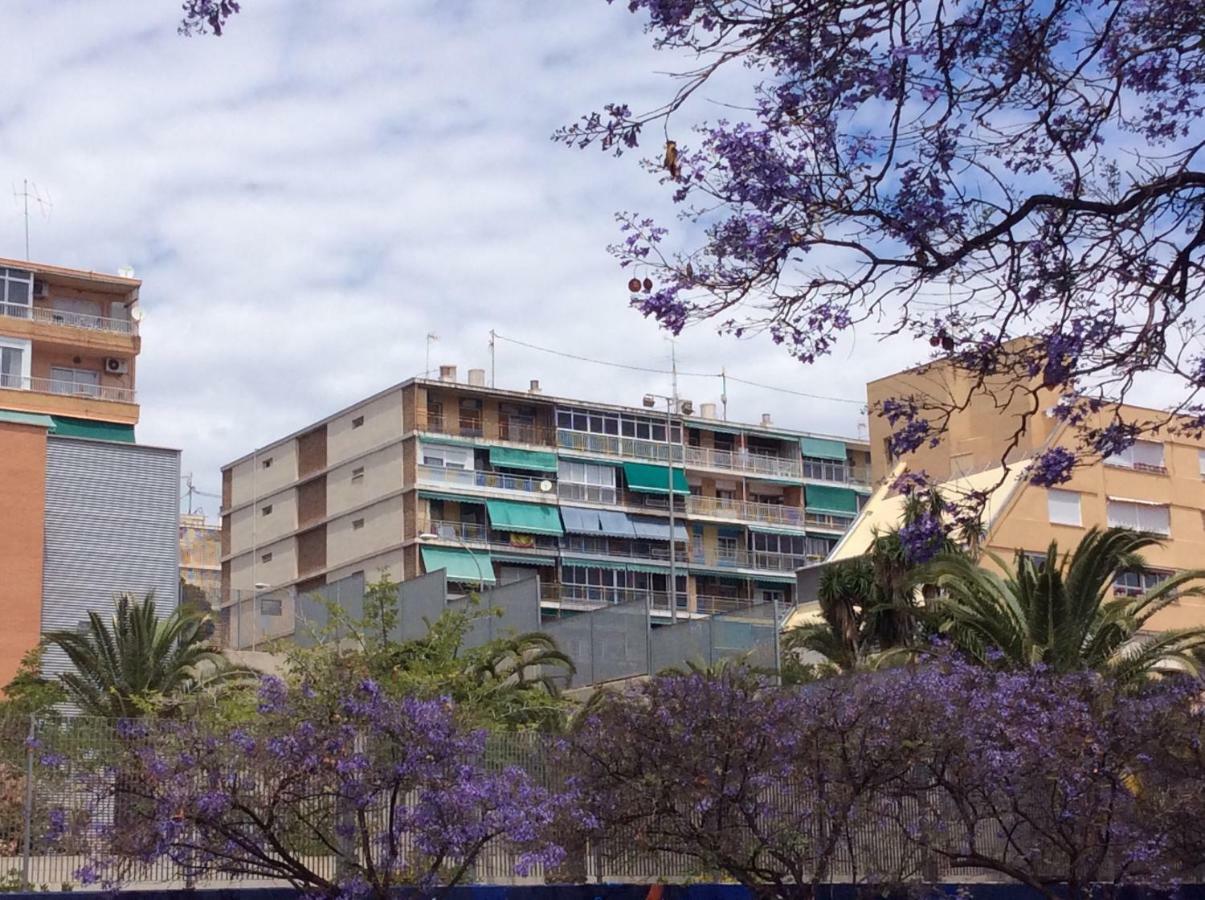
pixel 740 558
pixel 745 511
pixel 589 493
pixel 68 389
pixel 126 327
pixel 493 481
pixel 828 521
pixel 474 427
pixel 475 533
pixel 835 472
pixel 581 597
pixel 749 463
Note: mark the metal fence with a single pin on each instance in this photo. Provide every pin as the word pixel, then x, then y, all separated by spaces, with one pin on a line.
pixel 49 770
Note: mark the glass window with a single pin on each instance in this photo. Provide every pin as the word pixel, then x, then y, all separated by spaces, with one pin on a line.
pixel 1138 581
pixel 1141 455
pixel 1139 516
pixel 16 292
pixel 1063 507
pixel 12 367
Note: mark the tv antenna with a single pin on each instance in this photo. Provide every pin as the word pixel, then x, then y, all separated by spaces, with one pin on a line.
pixel 29 191
pixel 192 490
pixel 432 337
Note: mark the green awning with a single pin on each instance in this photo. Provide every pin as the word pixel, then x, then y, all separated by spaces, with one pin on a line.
pixel 96 431
pixel 455 498
pixel 24 418
pixel 527 518
pixel 592 563
pixel 653 479
pixel 442 440
pixel 519 560
pixel 460 565
pixel 821 498
pixel 820 448
pixel 711 425
pixel 775 579
pixel 528 460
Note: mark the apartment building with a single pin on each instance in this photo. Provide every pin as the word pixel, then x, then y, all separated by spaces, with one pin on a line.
pixel 1157 485
pixel 87 512
pixel 495 485
pixel 201 554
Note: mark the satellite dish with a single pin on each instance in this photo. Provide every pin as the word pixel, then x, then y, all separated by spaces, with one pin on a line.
pixel 137 314
pixel 545 485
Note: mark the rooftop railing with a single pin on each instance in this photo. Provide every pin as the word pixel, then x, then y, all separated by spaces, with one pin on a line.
pixel 476 427
pixel 69 319
pixel 745 510
pixel 68 388
pixel 487 480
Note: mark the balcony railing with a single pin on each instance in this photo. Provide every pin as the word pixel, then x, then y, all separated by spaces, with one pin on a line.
pixel 745 510
pixel 489 480
pixel 751 463
pixel 67 388
pixel 506 430
pixel 578 596
pixel 474 533
pixel 740 558
pixel 828 520
pixel 70 319
pixel 842 473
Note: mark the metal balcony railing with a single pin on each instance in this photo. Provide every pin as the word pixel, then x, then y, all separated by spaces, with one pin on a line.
pixel 69 319
pixel 489 480
pixel 67 388
pixel 745 510
pixel 841 473
pixel 506 430
pixel 830 521
pixel 577 596
pixel 749 463
pixel 474 533
pixel 740 558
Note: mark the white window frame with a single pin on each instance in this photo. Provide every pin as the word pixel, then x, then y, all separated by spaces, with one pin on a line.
pixel 1139 515
pixel 1201 462
pixel 1058 507
pixel 7 293
pixel 441 456
pixel 1143 456
pixel 26 348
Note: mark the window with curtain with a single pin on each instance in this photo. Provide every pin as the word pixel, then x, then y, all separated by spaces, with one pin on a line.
pixel 1139 516
pixel 1063 507
pixel 1146 455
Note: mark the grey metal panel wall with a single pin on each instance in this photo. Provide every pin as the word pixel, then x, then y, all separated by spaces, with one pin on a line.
pixel 112 525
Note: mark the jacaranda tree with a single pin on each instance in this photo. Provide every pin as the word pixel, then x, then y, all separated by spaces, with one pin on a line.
pixel 338 790
pixel 968 172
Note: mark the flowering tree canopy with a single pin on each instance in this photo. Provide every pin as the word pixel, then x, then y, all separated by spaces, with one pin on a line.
pixel 1056 781
pixel 340 792
pixel 969 172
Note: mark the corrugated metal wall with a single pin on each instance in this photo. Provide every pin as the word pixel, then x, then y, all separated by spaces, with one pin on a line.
pixel 112 514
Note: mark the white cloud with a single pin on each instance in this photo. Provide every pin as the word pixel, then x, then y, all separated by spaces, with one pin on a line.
pixel 308 196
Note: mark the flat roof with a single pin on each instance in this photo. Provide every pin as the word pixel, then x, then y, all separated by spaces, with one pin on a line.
pixel 694 420
pixel 65 273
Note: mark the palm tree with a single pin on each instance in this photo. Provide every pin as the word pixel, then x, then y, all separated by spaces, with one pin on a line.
pixel 532 659
pixel 136 660
pixel 1061 612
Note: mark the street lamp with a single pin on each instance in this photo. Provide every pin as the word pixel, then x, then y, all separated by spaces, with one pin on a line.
pixel 427 536
pixel 685 408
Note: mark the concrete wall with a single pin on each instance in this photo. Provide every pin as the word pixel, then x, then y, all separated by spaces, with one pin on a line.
pixel 382 422
pixel 22 499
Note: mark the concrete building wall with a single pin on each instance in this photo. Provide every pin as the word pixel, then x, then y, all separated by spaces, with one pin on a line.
pixel 371 567
pixel 112 513
pixel 251 478
pixel 347 488
pixel 381 527
pixel 381 422
pixel 22 499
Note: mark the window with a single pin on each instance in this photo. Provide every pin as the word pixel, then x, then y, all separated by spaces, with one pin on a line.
pixel 16 293
pixel 446 457
pixel 270 606
pixel 266 510
pixel 1139 516
pixel 357 421
pixel 357 524
pixel 726 546
pixel 616 424
pixel 266 558
pixel 1201 462
pixel 1142 455
pixel 1063 507
pixel 470 417
pixel 787 544
pixel 586 481
pixel 64 380
pixel 1137 582
pixel 14 364
pixel 357 474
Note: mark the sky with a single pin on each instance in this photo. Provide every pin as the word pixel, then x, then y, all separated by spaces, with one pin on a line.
pixel 310 195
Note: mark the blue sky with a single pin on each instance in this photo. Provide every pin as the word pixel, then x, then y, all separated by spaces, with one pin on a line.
pixel 310 195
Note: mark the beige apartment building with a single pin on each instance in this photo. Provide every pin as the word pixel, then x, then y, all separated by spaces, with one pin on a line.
pixel 1157 485
pixel 600 501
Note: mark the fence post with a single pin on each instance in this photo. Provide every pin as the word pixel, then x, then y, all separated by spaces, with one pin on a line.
pixel 27 837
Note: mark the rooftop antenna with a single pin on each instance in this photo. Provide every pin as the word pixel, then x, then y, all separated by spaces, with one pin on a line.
pixel 29 192
pixel 493 358
pixel 432 337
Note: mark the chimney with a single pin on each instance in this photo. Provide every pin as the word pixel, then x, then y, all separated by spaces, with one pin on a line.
pixel 535 386
pixel 447 373
pixel 765 419
pixel 707 410
pixel 477 377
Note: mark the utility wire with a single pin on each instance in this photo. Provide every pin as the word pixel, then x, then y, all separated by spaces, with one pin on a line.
pixel 616 365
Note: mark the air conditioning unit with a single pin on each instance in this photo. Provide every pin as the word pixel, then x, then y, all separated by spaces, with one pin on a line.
pixel 116 366
pixel 40 289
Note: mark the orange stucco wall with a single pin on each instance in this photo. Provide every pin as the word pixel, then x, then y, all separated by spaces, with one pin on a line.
pixel 23 501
